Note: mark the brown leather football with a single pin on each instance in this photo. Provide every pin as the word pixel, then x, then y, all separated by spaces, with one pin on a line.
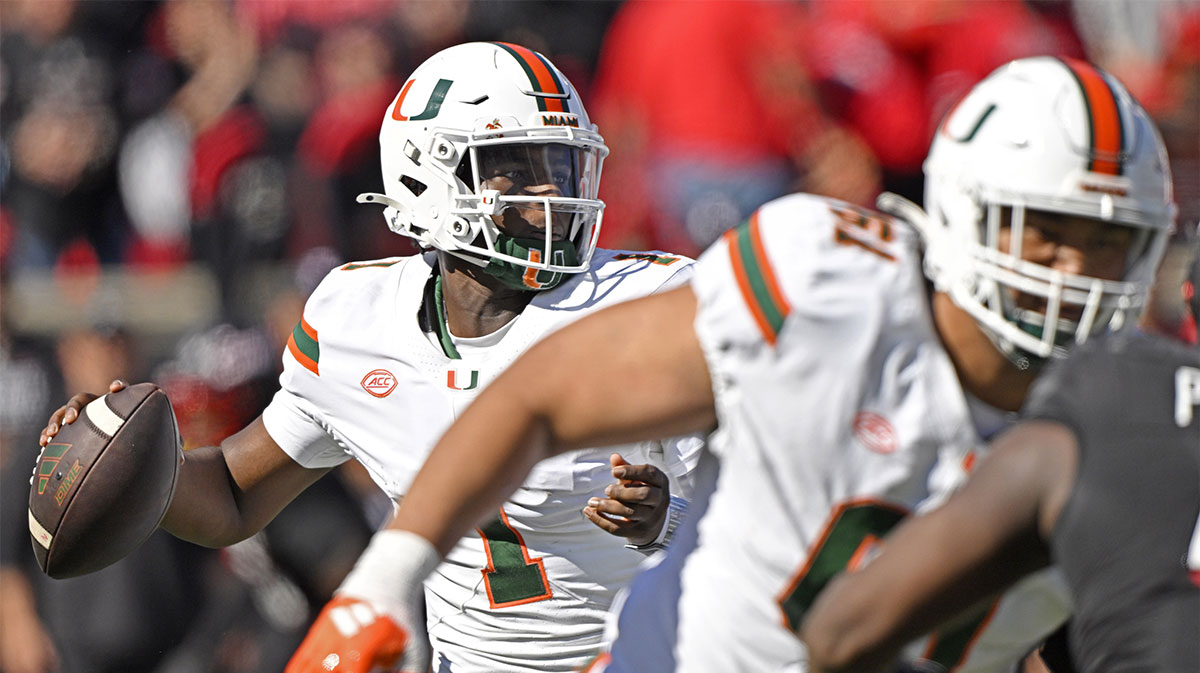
pixel 103 484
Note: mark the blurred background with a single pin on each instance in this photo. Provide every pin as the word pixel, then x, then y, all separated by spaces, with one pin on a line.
pixel 176 177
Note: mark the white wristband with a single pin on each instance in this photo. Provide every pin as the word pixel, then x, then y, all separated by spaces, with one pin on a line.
pixel 392 570
pixel 676 510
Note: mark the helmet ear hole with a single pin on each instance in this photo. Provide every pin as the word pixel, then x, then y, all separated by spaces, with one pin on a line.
pixel 414 185
pixel 463 172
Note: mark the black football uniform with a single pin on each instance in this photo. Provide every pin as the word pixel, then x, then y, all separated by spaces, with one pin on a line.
pixel 1123 537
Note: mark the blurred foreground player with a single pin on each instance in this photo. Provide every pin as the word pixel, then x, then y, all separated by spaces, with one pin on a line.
pixel 1103 480
pixel 491 162
pixel 843 395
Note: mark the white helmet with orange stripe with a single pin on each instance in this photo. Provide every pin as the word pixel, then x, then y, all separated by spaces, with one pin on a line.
pixel 1043 136
pixel 489 155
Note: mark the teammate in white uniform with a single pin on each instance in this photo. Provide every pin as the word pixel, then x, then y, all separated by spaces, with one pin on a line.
pixel 843 395
pixel 491 163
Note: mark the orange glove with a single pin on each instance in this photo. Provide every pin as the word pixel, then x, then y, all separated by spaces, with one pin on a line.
pixel 376 620
pixel 349 636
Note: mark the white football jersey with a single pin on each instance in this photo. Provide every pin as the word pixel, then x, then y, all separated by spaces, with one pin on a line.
pixel 839 413
pixel 362 380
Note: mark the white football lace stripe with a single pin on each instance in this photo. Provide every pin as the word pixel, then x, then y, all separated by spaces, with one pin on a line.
pixel 103 417
pixel 39 532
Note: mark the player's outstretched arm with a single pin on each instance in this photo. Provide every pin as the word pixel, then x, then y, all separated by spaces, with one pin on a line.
pixel 935 566
pixel 229 492
pixel 628 373
pixel 225 493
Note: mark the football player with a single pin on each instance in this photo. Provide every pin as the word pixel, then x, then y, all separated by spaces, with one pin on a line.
pixel 842 394
pixel 491 163
pixel 1101 480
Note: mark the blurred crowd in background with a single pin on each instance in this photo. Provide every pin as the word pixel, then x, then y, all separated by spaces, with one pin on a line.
pixel 176 177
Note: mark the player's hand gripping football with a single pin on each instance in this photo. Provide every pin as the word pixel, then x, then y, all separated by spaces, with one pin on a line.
pixel 376 621
pixel 636 506
pixel 69 412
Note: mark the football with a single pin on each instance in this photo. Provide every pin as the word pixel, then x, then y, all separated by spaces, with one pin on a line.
pixel 103 484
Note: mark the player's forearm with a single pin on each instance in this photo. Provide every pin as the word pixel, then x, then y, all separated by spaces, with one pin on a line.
pixel 461 484
pixel 629 373
pixel 204 509
pixel 851 628
pixel 933 568
pixel 534 410
pixel 226 494
pixel 843 637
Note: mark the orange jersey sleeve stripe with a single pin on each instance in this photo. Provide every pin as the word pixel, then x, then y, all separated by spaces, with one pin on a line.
pixel 1104 117
pixel 303 346
pixel 756 279
pixel 760 253
pixel 541 76
pixel 308 329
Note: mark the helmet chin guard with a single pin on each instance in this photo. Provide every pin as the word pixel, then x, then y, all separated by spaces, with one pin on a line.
pixel 1054 136
pixel 483 113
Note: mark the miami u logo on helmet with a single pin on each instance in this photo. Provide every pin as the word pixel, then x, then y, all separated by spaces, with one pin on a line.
pixel 431 107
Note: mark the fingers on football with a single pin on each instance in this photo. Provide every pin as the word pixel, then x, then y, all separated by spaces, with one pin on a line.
pixel 69 412
pixel 52 426
pixel 64 415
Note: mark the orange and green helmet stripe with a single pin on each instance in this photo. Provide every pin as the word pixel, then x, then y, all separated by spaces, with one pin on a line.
pixel 542 77
pixel 1105 131
pixel 304 347
pixel 756 278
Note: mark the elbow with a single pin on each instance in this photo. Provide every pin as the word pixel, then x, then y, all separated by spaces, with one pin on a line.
pixel 213 528
pixel 211 538
pixel 205 536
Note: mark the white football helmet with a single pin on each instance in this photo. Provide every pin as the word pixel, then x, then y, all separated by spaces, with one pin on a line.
pixel 1051 135
pixel 463 112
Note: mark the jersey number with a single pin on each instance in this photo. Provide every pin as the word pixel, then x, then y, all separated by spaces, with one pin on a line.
pixel 511 577
pixel 869 231
pixel 853 530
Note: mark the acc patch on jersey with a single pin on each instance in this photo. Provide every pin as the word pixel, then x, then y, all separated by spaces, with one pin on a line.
pixel 379 382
